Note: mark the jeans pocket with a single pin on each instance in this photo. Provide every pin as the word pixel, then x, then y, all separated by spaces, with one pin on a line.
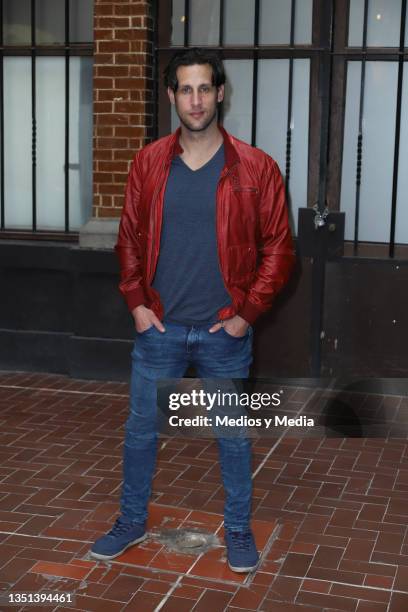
pixel 247 333
pixel 146 331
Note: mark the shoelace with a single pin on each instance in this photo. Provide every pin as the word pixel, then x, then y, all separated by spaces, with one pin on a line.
pixel 242 540
pixel 120 527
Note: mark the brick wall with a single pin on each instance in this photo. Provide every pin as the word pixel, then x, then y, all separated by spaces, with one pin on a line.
pixel 123 94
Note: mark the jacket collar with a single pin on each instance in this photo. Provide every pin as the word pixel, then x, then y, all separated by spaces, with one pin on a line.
pixel 231 154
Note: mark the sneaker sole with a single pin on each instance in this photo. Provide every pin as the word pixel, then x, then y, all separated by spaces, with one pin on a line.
pixel 243 570
pixel 107 557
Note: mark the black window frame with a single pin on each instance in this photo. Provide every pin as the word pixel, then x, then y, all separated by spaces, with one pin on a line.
pixel 67 49
pixel 328 54
pixel 255 52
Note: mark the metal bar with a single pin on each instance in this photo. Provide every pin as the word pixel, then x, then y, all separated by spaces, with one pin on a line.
pixel 360 131
pixel 292 23
pixel 337 111
pixel 290 102
pixel 186 23
pixel 33 115
pixel 67 94
pixel 397 131
pixel 57 51
pixel 221 44
pixel 156 74
pixel 319 262
pixel 391 54
pixel 376 52
pixel 255 75
pixel 2 203
pixel 222 18
pixel 325 76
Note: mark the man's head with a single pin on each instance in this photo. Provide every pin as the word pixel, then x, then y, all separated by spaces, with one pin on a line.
pixel 195 84
pixel 189 57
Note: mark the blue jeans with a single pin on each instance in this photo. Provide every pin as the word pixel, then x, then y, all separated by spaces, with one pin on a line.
pixel 159 355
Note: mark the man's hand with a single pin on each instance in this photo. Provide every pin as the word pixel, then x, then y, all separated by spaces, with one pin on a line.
pixel 236 326
pixel 145 318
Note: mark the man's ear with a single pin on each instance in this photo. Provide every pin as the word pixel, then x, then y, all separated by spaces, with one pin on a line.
pixel 220 93
pixel 170 93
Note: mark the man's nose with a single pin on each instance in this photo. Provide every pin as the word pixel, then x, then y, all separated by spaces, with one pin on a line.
pixel 196 98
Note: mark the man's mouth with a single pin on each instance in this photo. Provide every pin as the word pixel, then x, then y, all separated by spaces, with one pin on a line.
pixel 197 115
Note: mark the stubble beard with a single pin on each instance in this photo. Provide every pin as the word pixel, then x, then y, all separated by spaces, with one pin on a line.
pixel 201 128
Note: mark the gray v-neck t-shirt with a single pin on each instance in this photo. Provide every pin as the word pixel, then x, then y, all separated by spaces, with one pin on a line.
pixel 188 276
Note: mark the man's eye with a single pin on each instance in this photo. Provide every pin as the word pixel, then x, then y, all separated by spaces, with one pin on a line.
pixel 185 90
pixel 205 90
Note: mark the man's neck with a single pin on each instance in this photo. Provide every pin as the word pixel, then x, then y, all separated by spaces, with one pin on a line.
pixel 199 147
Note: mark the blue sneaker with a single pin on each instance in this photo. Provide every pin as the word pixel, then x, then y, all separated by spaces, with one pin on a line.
pixel 122 535
pixel 241 551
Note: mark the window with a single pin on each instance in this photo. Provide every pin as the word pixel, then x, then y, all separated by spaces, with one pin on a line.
pixel 267 49
pixel 46 115
pixel 375 151
pixel 324 91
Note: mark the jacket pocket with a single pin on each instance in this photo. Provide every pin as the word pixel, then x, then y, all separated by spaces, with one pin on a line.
pixel 241 261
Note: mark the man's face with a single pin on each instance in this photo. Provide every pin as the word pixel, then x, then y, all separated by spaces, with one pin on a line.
pixel 196 97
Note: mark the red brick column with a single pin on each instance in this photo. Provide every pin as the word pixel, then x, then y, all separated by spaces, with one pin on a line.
pixel 123 93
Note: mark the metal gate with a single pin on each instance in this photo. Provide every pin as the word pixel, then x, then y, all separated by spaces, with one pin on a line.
pixel 354 46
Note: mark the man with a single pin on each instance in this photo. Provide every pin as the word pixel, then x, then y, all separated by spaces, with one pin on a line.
pixel 204 247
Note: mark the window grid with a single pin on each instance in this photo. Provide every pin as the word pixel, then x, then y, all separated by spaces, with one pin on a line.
pixel 34 50
pixel 255 52
pixel 325 42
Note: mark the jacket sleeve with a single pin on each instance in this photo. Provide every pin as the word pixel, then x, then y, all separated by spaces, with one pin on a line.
pixel 276 257
pixel 128 244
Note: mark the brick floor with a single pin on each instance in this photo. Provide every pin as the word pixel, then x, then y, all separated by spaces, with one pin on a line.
pixel 330 514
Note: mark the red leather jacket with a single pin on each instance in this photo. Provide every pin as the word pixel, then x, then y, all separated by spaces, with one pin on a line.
pixel 255 247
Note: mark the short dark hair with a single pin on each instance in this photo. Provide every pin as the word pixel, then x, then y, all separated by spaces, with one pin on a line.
pixel 189 57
